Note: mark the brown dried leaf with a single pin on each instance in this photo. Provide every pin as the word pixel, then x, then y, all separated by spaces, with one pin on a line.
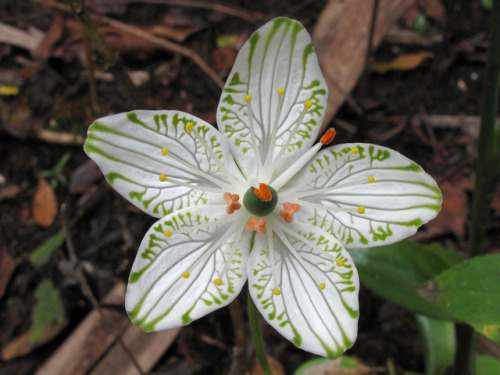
pixel 11 191
pixel 44 204
pixel 434 9
pixel 402 62
pixel 341 39
pixel 178 34
pixel 22 345
pixel 43 51
pixel 223 58
pixel 455 210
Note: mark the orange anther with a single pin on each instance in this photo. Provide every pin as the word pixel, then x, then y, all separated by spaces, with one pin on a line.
pixel 289 209
pixel 257 225
pixel 329 136
pixel 232 202
pixel 263 193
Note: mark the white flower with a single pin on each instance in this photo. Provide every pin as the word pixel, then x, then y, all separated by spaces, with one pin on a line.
pixel 258 200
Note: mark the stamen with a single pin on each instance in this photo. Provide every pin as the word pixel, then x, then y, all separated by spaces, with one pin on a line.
pixel 209 252
pixel 289 209
pixel 253 139
pixel 304 240
pixel 164 178
pixel 196 171
pixel 191 229
pixel 263 193
pixel 272 141
pixel 272 259
pixel 299 258
pixel 213 156
pixel 310 192
pixel 295 167
pixel 257 225
pixel 232 202
pixel 307 105
pixel 328 137
pixel 228 262
pixel 329 208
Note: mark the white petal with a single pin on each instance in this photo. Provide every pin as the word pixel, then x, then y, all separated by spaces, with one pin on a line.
pixel 402 197
pixel 323 322
pixel 203 243
pixel 278 55
pixel 128 149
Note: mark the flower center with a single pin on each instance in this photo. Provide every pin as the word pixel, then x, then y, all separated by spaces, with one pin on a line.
pixel 260 201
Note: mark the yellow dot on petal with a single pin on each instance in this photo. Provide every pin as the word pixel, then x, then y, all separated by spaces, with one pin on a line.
pixel 163 178
pixel 248 98
pixel 371 179
pixel 361 210
pixel 164 151
pixel 322 286
pixel 276 291
pixel 340 262
pixel 354 150
pixel 168 233
pixel 218 282
pixel 281 91
pixel 186 274
pixel 308 104
pixel 189 126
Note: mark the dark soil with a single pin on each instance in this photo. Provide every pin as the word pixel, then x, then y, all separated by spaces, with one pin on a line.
pixel 106 229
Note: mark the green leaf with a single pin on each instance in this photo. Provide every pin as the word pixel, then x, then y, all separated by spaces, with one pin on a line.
pixel 469 292
pixel 342 366
pixel 486 365
pixel 45 250
pixel 439 343
pixel 393 270
pixel 49 311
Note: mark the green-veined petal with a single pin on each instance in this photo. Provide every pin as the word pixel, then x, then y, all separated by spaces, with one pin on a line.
pixel 400 197
pixel 279 55
pixel 323 322
pixel 201 241
pixel 133 149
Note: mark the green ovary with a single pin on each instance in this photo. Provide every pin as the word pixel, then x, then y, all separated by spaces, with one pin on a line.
pixel 255 206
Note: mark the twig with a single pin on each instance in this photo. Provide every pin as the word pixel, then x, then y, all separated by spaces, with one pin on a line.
pixel 85 287
pixel 90 69
pixel 163 43
pixel 221 8
pixel 59 137
pixel 113 62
